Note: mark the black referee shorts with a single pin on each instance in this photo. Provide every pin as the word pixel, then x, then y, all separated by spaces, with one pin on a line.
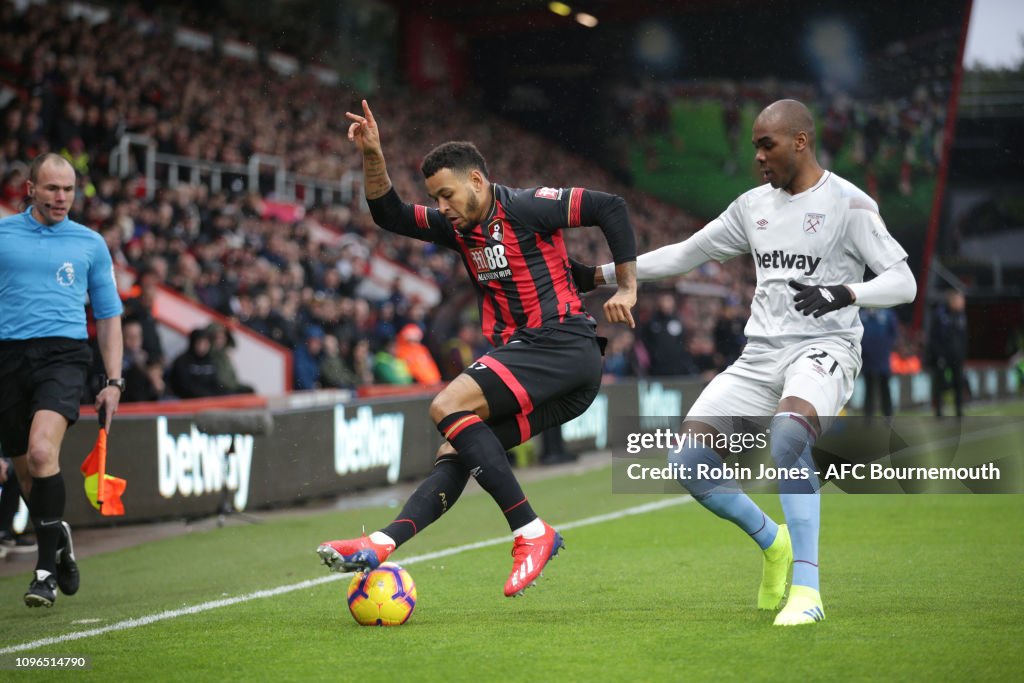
pixel 39 374
pixel 540 379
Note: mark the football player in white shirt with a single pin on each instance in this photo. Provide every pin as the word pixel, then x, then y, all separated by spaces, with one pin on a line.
pixel 811 234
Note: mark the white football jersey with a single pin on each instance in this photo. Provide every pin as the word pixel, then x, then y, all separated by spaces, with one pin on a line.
pixel 822 236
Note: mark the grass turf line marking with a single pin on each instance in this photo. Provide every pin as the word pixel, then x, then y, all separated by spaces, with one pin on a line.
pixel 280 590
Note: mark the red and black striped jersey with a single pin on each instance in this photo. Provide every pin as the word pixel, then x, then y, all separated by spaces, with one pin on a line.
pixel 516 258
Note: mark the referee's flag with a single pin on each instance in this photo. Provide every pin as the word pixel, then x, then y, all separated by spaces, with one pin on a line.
pixel 103 490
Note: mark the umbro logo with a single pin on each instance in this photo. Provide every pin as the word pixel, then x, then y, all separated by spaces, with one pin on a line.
pixel 762 224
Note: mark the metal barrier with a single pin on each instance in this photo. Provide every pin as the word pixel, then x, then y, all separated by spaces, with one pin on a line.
pixel 161 168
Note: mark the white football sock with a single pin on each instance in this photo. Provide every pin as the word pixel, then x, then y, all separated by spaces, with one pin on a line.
pixel 381 538
pixel 534 529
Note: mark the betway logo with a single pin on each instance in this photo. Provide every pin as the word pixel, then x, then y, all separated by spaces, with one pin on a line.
pixel 780 259
pixel 195 463
pixel 367 441
pixel 592 424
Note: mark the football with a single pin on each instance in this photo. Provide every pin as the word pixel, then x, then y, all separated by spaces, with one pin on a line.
pixel 385 596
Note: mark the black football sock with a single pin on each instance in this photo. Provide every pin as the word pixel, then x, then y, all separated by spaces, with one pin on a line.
pixel 10 497
pixel 431 499
pixel 484 456
pixel 46 506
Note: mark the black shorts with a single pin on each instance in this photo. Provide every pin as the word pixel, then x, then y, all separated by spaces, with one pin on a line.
pixel 540 379
pixel 39 374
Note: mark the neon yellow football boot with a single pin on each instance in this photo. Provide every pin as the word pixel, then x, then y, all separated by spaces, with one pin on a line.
pixel 803 607
pixel 777 559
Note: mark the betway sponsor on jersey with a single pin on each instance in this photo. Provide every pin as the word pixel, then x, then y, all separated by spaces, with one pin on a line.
pixel 194 463
pixel 367 441
pixel 781 259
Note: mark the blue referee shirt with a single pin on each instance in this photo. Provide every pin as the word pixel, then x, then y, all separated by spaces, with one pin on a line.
pixel 46 273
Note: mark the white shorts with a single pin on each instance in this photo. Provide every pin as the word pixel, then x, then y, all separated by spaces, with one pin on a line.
pixel 820 371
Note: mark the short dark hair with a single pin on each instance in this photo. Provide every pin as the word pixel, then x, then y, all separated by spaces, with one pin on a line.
pixel 458 156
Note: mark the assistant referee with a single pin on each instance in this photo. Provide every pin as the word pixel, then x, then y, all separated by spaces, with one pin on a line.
pixel 49 265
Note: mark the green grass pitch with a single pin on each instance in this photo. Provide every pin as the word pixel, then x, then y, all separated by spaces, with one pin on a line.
pixel 915 588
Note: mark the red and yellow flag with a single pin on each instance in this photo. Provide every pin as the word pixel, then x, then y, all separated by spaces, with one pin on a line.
pixel 103 490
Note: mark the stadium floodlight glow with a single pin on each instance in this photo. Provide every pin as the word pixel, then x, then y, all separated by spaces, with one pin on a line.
pixel 560 8
pixel 656 47
pixel 834 49
pixel 588 20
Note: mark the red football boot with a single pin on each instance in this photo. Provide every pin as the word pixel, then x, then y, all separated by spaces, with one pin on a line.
pixel 354 554
pixel 529 555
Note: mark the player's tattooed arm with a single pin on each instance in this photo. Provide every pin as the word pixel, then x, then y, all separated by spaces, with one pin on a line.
pixel 365 135
pixel 376 181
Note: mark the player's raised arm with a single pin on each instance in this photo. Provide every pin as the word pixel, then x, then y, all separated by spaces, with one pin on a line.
pixel 365 135
pixel 386 207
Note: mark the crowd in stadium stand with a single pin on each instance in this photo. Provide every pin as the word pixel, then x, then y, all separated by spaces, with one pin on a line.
pixel 72 94
pixel 905 132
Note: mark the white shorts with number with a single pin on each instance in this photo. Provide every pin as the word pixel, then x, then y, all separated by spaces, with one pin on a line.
pixel 821 372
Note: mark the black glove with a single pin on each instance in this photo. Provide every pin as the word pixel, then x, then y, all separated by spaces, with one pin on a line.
pixel 583 276
pixel 820 299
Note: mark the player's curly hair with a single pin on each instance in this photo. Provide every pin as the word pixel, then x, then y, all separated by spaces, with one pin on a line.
pixel 458 156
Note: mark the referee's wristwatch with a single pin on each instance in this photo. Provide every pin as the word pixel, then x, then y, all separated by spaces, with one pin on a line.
pixel 115 382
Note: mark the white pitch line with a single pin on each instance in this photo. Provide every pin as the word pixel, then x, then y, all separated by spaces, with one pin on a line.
pixel 280 590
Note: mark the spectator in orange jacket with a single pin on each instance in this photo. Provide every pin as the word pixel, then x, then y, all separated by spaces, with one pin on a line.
pixel 904 361
pixel 409 347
